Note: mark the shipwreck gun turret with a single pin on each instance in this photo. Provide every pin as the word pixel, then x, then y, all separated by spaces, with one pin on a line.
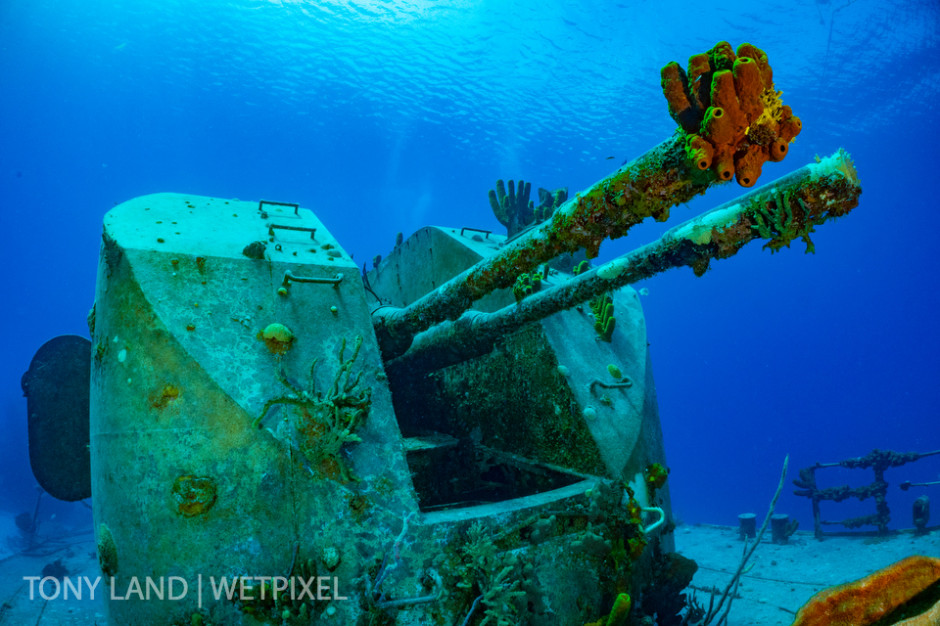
pixel 731 122
pixel 257 411
pixel 778 213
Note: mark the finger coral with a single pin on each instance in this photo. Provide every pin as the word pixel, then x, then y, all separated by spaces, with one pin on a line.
pixel 732 117
pixel 513 209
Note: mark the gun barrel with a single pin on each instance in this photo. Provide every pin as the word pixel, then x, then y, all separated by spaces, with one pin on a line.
pixel 779 212
pixel 726 131
pixel 648 186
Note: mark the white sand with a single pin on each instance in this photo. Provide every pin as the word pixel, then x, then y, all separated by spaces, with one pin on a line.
pixel 784 577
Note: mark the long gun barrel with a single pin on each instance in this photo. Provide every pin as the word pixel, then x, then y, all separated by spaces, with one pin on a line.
pixel 779 212
pixel 731 121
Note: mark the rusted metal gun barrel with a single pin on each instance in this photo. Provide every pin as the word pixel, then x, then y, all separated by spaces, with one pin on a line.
pixel 648 186
pixel 784 210
pixel 731 122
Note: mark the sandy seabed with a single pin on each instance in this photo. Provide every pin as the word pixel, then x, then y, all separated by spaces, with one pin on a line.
pixel 782 578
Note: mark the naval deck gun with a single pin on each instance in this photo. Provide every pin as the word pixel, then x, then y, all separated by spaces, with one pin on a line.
pixel 435 447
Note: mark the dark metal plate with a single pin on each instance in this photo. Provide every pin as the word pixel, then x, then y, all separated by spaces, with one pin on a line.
pixel 56 387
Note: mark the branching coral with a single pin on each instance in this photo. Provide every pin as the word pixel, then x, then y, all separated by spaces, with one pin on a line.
pixel 732 116
pixel 392 559
pixel 513 209
pixel 493 575
pixel 779 222
pixel 272 601
pixel 324 422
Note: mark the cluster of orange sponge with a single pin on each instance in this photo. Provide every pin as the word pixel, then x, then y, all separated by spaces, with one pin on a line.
pixel 732 116
pixel 867 600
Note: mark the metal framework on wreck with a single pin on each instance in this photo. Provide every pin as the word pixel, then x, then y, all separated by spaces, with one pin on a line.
pixel 878 461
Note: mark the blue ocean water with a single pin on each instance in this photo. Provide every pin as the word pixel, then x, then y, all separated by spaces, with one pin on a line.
pixel 386 116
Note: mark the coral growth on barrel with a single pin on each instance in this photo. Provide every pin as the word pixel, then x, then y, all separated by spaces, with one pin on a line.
pixel 732 116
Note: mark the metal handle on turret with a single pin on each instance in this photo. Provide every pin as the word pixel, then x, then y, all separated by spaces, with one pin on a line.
pixel 290 277
pixel 264 213
pixel 304 229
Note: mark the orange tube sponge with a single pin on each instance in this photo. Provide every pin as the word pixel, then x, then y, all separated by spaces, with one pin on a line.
pixel 728 99
pixel 749 86
pixel 723 162
pixel 676 89
pixel 790 125
pixel 700 80
pixel 724 95
pixel 868 599
pixel 721 56
pixel 718 128
pixel 699 151
pixel 747 165
pixel 760 57
pixel 779 149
